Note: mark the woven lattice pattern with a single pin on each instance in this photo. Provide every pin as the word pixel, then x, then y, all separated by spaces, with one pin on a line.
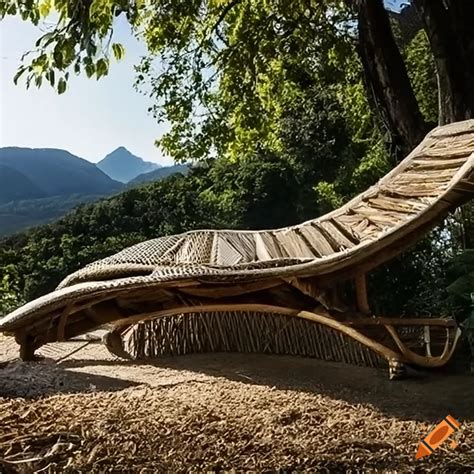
pixel 245 332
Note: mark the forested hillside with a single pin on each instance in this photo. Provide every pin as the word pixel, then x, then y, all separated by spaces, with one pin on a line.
pixel 157 174
pixel 297 121
pixel 19 215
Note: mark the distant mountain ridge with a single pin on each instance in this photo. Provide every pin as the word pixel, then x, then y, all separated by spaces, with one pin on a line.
pixel 51 172
pixel 124 166
pixel 38 185
pixel 157 174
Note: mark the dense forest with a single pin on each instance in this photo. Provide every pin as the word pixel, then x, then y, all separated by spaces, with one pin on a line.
pixel 298 115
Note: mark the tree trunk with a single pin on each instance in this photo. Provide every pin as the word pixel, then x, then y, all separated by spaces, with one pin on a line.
pixel 386 76
pixel 449 25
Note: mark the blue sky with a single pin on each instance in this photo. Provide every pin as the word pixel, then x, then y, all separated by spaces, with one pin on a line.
pixel 395 4
pixel 90 119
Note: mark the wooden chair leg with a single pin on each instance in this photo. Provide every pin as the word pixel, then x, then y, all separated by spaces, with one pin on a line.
pixel 114 342
pixel 27 348
pixel 427 340
pixel 396 370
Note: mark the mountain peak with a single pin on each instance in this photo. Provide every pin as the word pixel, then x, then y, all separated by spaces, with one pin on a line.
pixel 121 153
pixel 122 165
pixel 122 149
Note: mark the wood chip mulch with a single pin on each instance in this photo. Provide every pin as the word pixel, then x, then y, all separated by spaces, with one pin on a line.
pixel 213 426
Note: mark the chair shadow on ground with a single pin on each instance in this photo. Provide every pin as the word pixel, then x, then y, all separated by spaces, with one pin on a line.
pixel 427 396
pixel 43 378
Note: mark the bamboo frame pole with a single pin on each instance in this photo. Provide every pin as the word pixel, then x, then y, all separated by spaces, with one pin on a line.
pixel 361 293
pixel 426 361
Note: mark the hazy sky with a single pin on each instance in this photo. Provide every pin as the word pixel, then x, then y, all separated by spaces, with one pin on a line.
pixel 90 119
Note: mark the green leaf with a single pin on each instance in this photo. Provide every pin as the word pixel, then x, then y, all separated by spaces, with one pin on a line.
pixel 18 74
pixel 119 51
pixel 90 70
pixel 47 39
pixel 67 51
pixel 50 77
pixel 102 68
pixel 61 86
pixel 12 10
pixel 44 7
pixel 91 49
pixel 58 57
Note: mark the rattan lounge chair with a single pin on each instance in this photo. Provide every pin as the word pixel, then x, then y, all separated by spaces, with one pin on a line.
pixel 270 290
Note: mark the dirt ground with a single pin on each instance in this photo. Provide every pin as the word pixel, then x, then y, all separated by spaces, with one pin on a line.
pixel 212 412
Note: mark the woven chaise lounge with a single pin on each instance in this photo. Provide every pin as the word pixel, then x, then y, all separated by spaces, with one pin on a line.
pixel 270 290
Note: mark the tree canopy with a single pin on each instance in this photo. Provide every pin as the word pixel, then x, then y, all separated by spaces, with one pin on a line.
pixel 222 72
